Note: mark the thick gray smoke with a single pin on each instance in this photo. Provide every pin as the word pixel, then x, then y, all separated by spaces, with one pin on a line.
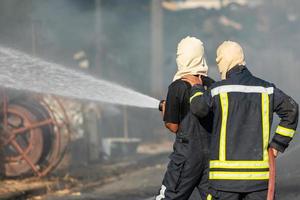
pixel 116 39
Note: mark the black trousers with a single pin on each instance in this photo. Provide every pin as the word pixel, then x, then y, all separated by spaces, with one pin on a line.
pixel 187 170
pixel 257 195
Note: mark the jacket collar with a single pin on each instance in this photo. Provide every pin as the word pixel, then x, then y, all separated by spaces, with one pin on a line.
pixel 237 70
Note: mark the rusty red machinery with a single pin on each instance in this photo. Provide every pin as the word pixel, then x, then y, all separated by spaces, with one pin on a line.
pixel 34 134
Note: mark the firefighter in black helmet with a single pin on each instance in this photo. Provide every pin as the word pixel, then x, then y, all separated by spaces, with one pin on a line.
pixel 243 107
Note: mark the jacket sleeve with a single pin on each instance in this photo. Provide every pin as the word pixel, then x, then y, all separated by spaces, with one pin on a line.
pixel 200 101
pixel 287 110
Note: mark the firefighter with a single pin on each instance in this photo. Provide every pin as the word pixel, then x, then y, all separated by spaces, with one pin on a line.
pixel 188 166
pixel 243 107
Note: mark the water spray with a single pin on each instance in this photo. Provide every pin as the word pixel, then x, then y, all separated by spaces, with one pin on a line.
pixel 23 72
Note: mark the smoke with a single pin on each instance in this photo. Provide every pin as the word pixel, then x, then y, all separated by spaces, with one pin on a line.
pixel 116 40
pixel 56 30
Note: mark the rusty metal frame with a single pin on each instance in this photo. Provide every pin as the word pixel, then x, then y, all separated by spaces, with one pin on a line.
pixel 57 152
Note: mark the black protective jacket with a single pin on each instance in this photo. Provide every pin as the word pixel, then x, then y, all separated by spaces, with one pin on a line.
pixel 243 107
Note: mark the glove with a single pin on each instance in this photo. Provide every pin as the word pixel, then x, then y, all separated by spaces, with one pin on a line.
pixel 207 81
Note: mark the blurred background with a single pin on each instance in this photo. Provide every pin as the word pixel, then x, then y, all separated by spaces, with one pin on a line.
pixel 116 152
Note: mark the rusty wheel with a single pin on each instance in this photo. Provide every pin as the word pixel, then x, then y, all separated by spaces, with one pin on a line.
pixel 23 143
pixel 30 137
pixel 23 138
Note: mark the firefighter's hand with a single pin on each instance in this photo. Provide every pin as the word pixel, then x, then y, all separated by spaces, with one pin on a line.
pixel 193 80
pixel 275 152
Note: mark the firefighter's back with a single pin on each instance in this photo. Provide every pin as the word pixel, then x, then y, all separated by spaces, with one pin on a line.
pixel 239 158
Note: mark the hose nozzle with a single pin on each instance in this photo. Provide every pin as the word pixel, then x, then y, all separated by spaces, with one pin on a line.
pixel 161 105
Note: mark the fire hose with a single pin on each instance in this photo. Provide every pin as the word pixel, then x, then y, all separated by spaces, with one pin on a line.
pixel 272 167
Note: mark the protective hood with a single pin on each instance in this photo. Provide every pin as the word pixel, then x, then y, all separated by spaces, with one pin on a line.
pixel 190 58
pixel 229 55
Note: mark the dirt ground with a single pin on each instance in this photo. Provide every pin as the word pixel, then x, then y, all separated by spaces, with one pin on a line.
pixel 137 185
pixel 141 184
pixel 133 178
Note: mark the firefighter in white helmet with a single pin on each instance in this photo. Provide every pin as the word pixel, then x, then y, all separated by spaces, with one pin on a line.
pixel 188 166
pixel 243 107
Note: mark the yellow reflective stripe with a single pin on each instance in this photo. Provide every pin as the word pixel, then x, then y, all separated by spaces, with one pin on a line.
pixel 265 124
pixel 239 175
pixel 195 95
pixel 238 164
pixel 285 131
pixel 242 164
pixel 224 105
pixel 209 197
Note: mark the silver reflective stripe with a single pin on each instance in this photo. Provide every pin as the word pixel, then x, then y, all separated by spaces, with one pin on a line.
pixel 241 88
pixel 161 193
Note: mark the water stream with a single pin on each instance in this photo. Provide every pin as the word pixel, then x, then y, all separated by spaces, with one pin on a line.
pixel 24 72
